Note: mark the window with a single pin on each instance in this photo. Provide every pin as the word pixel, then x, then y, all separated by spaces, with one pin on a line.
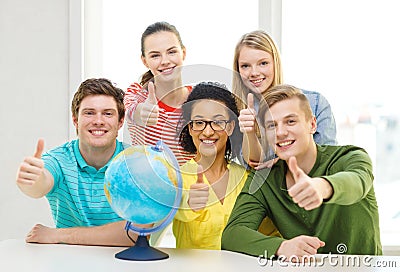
pixel 348 51
pixel 208 29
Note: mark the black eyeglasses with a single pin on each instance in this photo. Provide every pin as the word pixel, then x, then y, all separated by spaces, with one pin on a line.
pixel 216 125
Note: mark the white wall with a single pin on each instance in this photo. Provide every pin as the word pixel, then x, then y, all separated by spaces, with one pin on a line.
pixel 34 84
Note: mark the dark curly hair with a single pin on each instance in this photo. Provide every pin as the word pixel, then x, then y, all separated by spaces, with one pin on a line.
pixel 217 92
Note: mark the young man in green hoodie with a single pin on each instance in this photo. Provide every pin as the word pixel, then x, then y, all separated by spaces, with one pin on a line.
pixel 321 198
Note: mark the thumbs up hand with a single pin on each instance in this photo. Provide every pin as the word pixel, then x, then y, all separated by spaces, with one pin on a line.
pixel 149 110
pixel 247 117
pixel 199 192
pixel 307 192
pixel 32 168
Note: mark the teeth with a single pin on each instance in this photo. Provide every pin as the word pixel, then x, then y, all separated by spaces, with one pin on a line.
pixel 285 143
pixel 167 70
pixel 97 132
pixel 257 81
pixel 208 141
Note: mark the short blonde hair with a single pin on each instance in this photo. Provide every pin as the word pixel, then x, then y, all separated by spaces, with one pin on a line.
pixel 280 93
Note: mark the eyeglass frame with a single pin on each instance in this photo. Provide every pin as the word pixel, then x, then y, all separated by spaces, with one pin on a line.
pixel 209 123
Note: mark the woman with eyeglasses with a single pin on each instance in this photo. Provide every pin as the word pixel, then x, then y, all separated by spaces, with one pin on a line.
pixel 211 180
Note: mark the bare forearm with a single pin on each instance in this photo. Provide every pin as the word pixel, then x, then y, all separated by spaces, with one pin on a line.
pixel 251 148
pixel 112 234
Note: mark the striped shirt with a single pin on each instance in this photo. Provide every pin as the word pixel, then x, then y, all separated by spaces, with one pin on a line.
pixel 77 197
pixel 165 129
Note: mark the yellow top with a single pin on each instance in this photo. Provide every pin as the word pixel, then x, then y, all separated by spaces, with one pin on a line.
pixel 203 229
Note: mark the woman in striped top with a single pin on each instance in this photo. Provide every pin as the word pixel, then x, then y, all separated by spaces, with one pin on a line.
pixel 154 105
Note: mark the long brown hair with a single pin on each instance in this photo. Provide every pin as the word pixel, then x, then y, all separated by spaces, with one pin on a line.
pixel 151 29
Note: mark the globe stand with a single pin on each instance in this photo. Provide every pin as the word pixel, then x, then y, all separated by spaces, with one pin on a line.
pixel 141 251
pixel 117 186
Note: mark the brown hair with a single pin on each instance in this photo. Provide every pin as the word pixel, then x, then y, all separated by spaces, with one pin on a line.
pixel 98 86
pixel 283 92
pixel 151 29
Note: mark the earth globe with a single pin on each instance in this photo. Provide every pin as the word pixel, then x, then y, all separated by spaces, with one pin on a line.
pixel 143 185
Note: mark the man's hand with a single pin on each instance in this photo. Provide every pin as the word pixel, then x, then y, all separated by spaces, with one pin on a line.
pixel 308 193
pixel 32 168
pixel 43 235
pixel 299 246
pixel 199 192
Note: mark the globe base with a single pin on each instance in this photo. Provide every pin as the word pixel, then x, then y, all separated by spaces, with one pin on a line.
pixel 141 251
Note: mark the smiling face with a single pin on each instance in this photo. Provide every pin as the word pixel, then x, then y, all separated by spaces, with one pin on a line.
pixel 210 143
pixel 256 68
pixel 163 54
pixel 289 132
pixel 97 122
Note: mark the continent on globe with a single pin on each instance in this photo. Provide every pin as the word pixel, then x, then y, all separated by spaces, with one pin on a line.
pixel 141 184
